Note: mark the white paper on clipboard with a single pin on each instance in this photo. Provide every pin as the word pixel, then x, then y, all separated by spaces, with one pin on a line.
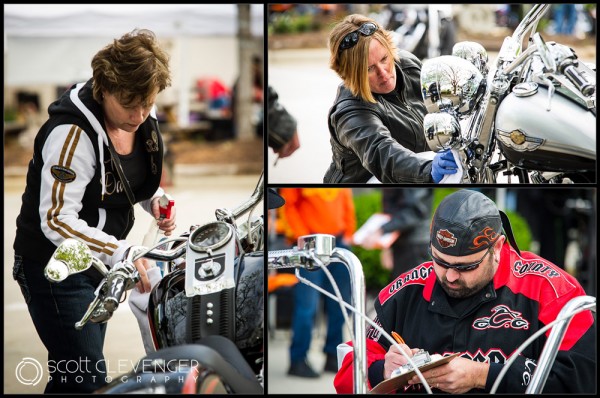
pixel 394 383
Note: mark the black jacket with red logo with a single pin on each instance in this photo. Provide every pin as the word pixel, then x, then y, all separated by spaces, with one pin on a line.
pixel 526 293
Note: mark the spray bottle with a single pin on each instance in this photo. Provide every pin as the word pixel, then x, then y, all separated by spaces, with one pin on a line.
pixel 165 204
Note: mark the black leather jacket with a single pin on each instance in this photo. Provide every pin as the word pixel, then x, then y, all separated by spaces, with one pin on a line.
pixel 380 139
pixel 281 124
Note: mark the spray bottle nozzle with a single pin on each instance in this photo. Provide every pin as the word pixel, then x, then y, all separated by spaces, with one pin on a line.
pixel 165 204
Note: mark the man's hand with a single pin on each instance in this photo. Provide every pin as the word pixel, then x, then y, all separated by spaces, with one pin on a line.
pixel 371 241
pixel 457 376
pixel 394 359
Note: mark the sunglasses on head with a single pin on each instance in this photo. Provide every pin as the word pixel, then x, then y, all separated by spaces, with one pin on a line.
pixel 350 40
pixel 460 266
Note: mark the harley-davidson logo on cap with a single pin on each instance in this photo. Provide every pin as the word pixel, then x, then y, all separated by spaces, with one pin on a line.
pixel 445 238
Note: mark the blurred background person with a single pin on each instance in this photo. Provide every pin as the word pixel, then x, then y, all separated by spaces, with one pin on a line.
pixel 257 92
pixel 324 211
pixel 564 18
pixel 410 211
pixel 282 130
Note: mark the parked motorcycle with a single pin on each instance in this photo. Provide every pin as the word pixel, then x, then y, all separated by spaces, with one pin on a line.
pixel 205 315
pixel 318 251
pixel 426 30
pixel 532 114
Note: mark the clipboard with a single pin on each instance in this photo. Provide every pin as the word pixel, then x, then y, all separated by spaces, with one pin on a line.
pixel 394 383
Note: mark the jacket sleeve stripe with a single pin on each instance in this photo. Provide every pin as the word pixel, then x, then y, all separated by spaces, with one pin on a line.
pixel 58 191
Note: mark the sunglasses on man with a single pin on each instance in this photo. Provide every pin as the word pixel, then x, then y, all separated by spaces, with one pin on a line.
pixel 350 40
pixel 460 266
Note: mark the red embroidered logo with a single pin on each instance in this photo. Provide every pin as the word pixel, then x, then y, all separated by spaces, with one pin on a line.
pixel 445 238
pixel 487 235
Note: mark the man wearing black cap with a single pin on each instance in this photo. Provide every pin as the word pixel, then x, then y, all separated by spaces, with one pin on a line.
pixel 479 296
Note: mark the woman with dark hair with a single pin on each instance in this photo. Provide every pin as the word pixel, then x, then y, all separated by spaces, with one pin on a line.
pixel 99 153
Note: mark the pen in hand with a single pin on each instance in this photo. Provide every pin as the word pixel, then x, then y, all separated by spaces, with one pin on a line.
pixel 398 338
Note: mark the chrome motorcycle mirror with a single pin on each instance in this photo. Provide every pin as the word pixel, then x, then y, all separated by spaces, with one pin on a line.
pixel 70 257
pixel 473 52
pixel 442 131
pixel 321 244
pixel 544 53
pixel 451 78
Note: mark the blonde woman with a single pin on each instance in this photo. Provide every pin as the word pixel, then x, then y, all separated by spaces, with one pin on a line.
pixel 376 121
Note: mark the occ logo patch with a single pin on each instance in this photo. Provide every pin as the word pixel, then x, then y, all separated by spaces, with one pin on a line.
pixel 63 174
pixel 502 317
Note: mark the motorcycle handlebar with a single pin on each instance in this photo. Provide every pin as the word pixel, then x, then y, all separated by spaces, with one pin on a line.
pixel 586 88
pixel 317 250
pixel 530 21
pixel 257 195
pixel 116 288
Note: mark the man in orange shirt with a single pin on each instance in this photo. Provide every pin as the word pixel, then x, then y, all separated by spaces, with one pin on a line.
pixel 324 211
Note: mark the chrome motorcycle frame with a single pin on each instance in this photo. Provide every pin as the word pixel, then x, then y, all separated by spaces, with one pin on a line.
pixel 73 256
pixel 319 250
pixel 474 138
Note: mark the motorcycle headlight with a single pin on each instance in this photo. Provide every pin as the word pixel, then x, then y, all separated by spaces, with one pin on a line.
pixel 451 80
pixel 473 52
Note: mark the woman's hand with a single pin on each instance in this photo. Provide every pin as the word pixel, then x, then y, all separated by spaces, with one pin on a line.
pixel 443 164
pixel 143 265
pixel 167 224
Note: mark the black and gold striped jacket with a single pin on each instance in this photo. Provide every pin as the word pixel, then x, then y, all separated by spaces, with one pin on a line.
pixel 73 188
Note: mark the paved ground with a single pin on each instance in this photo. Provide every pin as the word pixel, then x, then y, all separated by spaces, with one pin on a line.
pixel 278 358
pixel 278 363
pixel 196 200
pixel 306 87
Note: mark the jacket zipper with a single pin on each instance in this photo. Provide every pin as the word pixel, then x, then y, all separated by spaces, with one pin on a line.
pixel 409 108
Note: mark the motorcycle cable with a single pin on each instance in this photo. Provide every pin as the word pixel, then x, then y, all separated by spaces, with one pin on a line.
pixel 366 318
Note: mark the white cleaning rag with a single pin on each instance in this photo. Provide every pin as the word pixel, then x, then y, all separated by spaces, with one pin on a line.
pixel 138 302
pixel 455 178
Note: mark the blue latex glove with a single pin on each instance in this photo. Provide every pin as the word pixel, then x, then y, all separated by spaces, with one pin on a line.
pixel 443 163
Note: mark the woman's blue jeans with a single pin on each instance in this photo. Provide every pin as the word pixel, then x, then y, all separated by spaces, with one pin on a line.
pixel 75 359
pixel 306 303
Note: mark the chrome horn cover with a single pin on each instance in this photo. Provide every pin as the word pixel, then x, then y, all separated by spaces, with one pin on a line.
pixel 442 131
